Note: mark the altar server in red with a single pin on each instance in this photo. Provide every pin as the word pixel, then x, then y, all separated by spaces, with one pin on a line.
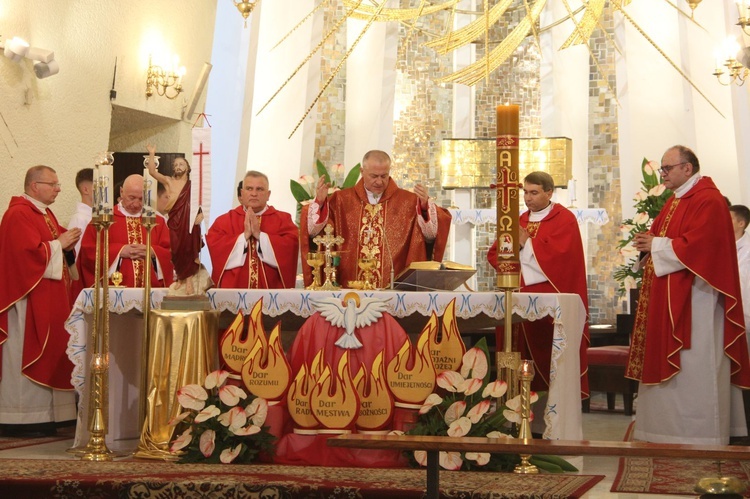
pixel 552 261
pixel 35 301
pixel 689 348
pixel 254 246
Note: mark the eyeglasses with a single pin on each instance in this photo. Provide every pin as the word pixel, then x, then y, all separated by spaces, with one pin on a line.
pixel 668 168
pixel 55 185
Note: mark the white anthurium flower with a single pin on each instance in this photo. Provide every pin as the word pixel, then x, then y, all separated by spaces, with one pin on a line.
pixel 495 389
pixel 498 434
pixel 451 381
pixel 455 411
pixel 246 430
pixel 481 458
pixel 474 364
pixel 651 167
pixel 228 455
pixel 460 427
pixel 472 386
pixel 208 443
pixel 641 218
pixel 234 418
pixel 629 251
pixel 179 418
pixel 513 412
pixel 192 397
pixel 431 401
pixel 451 460
pixel 396 432
pixel 209 412
pixel 475 413
pixel 657 190
pixel 182 441
pixel 257 411
pixel 640 196
pixel 231 395
pixel 216 379
pixel 629 282
pixel 420 456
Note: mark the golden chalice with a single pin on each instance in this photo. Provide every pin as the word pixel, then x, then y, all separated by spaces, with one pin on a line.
pixel 116 278
pixel 367 264
pixel 315 260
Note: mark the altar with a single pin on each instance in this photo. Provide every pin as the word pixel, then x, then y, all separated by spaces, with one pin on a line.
pixel 562 414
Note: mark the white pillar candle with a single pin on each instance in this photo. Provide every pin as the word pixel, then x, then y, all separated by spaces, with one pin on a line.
pixel 571 191
pixel 107 180
pixel 149 194
pixel 96 207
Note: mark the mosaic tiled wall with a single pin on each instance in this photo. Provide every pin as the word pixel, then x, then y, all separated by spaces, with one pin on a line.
pixel 426 119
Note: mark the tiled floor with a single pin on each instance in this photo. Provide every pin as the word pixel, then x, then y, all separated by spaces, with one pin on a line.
pixel 597 425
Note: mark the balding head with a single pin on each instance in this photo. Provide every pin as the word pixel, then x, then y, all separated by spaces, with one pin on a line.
pixel 132 194
pixel 41 183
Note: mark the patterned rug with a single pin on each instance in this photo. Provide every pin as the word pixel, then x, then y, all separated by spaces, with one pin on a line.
pixel 137 478
pixel 647 475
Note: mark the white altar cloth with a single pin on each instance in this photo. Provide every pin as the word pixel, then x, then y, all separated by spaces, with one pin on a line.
pixel 562 414
pixel 596 216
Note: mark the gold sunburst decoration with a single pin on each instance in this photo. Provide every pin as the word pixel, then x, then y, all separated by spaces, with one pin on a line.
pixel 492 14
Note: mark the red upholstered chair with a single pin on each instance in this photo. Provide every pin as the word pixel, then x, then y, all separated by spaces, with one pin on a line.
pixel 607 374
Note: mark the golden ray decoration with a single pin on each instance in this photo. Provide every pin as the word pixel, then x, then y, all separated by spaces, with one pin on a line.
pixel 488 18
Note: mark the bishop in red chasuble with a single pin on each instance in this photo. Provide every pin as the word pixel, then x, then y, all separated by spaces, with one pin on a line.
pixel 378 220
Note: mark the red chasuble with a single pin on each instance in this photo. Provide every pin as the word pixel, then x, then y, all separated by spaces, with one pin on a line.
pixel 24 255
pixel 186 245
pixel 700 228
pixel 387 231
pixel 128 230
pixel 559 252
pixel 254 274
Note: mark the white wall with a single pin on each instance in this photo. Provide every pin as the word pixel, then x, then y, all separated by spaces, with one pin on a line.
pixel 64 120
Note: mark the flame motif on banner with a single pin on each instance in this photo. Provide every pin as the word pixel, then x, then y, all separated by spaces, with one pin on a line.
pixel 267 379
pixel 413 386
pixel 448 352
pixel 235 349
pixel 375 400
pixel 298 396
pixel 334 401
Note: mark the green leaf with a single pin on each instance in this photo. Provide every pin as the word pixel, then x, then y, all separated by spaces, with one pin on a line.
pixel 322 171
pixel 299 192
pixel 352 176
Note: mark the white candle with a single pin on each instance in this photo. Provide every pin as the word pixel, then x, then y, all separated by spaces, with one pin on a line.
pixel 95 205
pixel 107 180
pixel 571 191
pixel 149 194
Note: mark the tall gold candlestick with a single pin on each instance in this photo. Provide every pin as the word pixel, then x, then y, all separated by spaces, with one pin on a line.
pixel 526 373
pixel 508 262
pixel 148 222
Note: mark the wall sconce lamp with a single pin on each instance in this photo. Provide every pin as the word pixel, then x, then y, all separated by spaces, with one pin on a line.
pixel 246 7
pixel 744 21
pixel 161 80
pixel 726 57
pixel 45 64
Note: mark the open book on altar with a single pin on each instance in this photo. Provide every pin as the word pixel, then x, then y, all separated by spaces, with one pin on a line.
pixel 429 276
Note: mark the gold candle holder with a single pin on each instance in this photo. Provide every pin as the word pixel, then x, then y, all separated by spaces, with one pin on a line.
pixel 96 449
pixel 526 374
pixel 328 241
pixel 148 222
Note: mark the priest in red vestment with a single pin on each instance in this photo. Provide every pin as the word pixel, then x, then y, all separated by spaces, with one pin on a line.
pixel 127 243
pixel 378 220
pixel 254 246
pixel 552 261
pixel 689 349
pixel 35 251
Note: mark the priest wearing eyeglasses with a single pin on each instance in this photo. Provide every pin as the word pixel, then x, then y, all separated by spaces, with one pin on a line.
pixel 688 349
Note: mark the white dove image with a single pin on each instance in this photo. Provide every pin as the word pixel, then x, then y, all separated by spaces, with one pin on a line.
pixel 350 313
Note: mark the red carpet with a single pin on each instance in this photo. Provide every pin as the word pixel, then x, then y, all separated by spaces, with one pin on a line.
pixel 646 475
pixel 40 478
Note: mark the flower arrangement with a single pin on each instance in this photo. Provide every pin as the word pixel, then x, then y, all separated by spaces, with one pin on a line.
pixel 303 189
pixel 468 408
pixel 220 429
pixel 649 201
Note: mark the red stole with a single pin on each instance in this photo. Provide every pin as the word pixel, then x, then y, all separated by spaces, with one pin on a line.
pixel 700 228
pixel 254 274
